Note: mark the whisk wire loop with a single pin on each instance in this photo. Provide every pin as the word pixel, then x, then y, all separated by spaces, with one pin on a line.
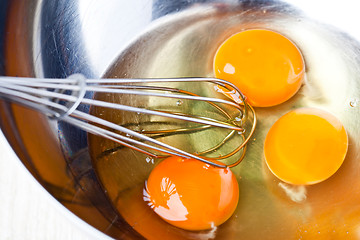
pixel 60 99
pixel 81 80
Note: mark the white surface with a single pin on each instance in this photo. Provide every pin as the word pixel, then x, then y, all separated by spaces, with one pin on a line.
pixel 28 212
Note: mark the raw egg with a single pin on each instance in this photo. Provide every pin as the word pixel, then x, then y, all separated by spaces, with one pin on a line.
pixel 305 146
pixel 266 66
pixel 190 194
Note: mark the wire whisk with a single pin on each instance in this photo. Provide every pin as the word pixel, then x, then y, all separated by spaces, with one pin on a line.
pixel 209 109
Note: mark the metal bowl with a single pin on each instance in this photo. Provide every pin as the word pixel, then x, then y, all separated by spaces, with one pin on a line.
pixel 160 38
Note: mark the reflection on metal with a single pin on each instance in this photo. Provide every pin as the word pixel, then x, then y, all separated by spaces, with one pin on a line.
pixel 156 39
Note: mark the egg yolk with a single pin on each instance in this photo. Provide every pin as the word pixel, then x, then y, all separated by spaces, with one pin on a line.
pixel 305 146
pixel 190 194
pixel 266 66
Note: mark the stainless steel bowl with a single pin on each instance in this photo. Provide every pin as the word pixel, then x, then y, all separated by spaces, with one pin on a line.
pixel 162 38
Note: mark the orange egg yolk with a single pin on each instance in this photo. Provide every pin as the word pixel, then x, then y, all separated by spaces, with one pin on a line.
pixel 190 194
pixel 305 146
pixel 266 66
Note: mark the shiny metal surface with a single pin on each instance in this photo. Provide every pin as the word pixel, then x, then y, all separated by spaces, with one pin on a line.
pixel 178 38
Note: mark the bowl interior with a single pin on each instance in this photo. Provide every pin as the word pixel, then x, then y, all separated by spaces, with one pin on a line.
pixel 148 39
